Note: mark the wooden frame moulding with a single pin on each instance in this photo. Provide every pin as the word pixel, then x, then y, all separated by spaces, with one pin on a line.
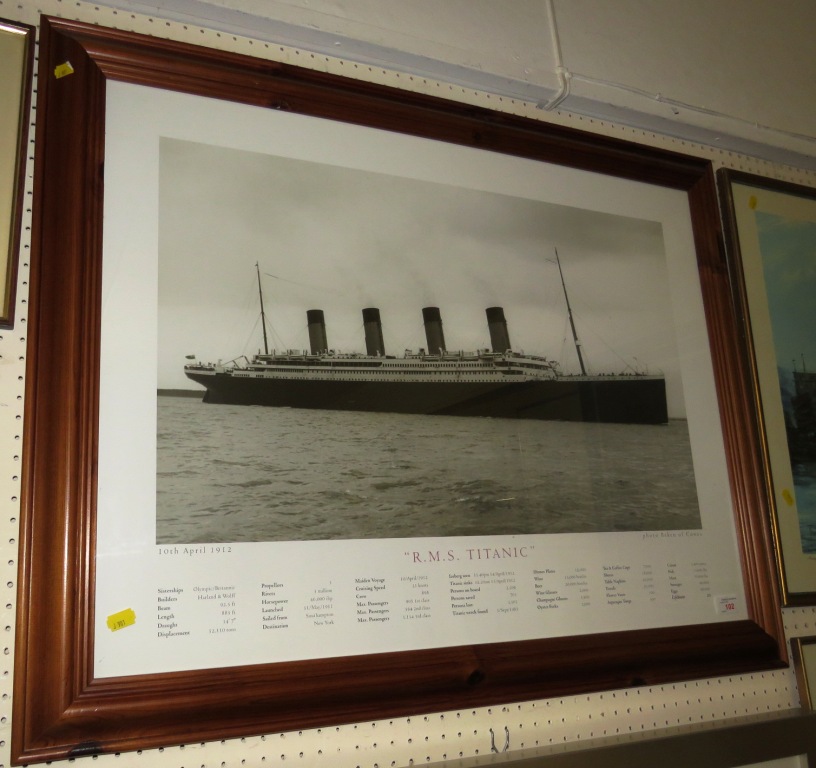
pixel 60 708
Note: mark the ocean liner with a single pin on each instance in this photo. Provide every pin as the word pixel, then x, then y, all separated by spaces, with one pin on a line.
pixel 493 382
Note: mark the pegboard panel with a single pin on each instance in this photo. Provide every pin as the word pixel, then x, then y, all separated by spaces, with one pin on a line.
pixel 427 737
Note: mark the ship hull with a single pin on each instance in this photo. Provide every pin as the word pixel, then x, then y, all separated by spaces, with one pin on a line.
pixel 632 400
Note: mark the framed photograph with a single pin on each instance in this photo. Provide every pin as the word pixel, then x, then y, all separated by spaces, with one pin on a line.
pixel 803 654
pixel 347 403
pixel 16 57
pixel 771 236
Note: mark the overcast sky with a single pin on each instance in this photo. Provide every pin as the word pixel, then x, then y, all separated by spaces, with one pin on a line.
pixel 340 239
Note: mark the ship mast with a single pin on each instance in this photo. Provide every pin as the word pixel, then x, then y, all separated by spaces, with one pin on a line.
pixel 571 319
pixel 263 316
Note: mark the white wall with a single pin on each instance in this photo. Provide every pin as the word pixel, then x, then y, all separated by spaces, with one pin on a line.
pixel 733 73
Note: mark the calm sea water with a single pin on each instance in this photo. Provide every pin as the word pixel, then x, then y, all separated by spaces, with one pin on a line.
pixel 246 473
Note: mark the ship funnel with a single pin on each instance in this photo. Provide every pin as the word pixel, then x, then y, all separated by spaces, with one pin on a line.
pixel 373 332
pixel 433 330
pixel 499 338
pixel 317 331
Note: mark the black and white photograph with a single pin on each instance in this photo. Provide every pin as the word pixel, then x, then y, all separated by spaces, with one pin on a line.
pixel 346 354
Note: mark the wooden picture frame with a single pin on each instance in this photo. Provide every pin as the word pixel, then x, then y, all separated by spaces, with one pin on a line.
pixel 16 58
pixel 62 709
pixel 770 231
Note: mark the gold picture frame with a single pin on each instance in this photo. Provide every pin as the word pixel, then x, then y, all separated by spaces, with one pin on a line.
pixel 770 235
pixel 16 57
pixel 803 654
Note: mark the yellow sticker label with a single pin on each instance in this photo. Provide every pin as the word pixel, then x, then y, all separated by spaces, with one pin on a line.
pixel 788 496
pixel 61 70
pixel 752 202
pixel 117 621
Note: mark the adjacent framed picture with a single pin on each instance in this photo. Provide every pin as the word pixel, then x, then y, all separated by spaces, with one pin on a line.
pixel 266 488
pixel 771 236
pixel 16 57
pixel 803 654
